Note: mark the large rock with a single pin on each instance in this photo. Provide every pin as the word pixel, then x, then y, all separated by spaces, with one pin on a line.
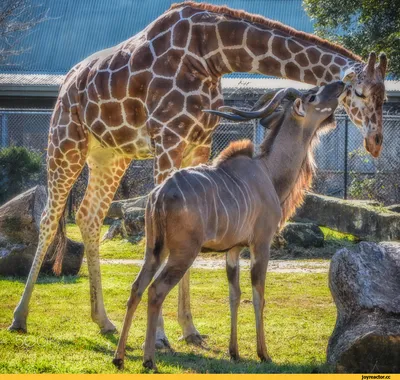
pixel 303 234
pixel 365 285
pixel 364 219
pixel 117 208
pixel 19 233
pixel 131 212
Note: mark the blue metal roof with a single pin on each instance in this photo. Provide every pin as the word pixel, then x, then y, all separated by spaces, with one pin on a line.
pixel 77 28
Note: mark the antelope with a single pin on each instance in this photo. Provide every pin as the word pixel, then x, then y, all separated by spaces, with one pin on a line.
pixel 240 200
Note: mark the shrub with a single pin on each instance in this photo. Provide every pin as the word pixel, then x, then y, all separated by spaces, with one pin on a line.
pixel 18 166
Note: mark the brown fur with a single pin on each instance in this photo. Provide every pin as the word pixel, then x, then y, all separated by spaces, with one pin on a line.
pixel 235 149
pixel 272 24
pixel 304 179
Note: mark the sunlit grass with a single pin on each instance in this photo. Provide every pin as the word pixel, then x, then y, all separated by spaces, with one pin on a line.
pixel 299 319
pixel 333 235
pixel 111 249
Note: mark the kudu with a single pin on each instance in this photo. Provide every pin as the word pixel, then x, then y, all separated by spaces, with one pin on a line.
pixel 238 201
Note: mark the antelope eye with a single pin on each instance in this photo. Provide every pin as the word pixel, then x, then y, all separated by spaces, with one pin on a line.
pixel 359 94
pixel 312 98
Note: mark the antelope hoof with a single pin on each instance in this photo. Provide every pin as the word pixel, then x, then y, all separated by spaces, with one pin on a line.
pixel 234 355
pixel 109 328
pixel 195 339
pixel 265 358
pixel 149 364
pixel 119 363
pixel 18 326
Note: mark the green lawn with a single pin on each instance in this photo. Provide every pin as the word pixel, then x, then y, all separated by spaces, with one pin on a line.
pixel 123 249
pixel 111 249
pixel 300 316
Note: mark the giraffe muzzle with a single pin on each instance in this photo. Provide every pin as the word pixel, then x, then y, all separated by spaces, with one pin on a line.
pixel 373 144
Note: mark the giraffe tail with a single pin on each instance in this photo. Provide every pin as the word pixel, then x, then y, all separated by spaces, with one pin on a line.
pixel 155 223
pixel 60 246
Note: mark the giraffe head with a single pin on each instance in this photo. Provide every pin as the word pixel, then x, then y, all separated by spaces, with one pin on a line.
pixel 364 99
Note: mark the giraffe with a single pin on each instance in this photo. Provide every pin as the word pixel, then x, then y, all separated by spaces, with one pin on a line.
pixel 144 98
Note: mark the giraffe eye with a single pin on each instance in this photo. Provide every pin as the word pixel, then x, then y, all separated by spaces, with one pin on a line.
pixel 360 95
pixel 312 98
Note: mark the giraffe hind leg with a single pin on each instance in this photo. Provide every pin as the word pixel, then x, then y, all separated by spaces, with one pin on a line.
pixel 65 160
pixel 105 172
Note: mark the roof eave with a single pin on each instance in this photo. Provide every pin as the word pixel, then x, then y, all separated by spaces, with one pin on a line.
pixel 30 90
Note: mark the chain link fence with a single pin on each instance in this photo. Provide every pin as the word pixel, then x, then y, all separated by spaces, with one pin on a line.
pixel 345 170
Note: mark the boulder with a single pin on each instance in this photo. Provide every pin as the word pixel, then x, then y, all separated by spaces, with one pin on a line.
pixel 365 285
pixel 303 234
pixel 117 208
pixel 364 219
pixel 131 212
pixel 117 229
pixel 134 221
pixel 19 233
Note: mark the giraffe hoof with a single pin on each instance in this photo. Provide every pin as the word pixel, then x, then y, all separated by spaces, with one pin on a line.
pixel 108 329
pixel 18 327
pixel 119 363
pixel 196 339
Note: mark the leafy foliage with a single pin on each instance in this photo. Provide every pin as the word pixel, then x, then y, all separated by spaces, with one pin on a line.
pixel 18 166
pixel 361 26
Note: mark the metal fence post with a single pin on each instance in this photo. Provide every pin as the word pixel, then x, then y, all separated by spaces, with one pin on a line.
pixel 346 148
pixel 4 130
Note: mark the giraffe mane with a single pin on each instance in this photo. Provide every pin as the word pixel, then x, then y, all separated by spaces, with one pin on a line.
pixel 254 18
pixel 235 149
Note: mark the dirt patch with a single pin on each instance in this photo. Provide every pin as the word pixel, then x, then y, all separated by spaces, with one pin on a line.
pixel 276 266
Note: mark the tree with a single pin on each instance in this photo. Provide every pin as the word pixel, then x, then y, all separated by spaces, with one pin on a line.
pixel 360 25
pixel 17 17
pixel 19 166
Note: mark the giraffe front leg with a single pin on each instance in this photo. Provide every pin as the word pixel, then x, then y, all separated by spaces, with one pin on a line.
pixel 105 174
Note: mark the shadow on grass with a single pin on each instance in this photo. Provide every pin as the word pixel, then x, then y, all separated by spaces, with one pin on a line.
pixel 194 362
pixel 44 279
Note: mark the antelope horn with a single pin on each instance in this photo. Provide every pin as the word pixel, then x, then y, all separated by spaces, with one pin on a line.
pixel 229 116
pixel 263 100
pixel 382 65
pixel 260 102
pixel 371 63
pixel 267 109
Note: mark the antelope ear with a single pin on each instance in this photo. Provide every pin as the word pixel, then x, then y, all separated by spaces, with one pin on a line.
pixel 348 75
pixel 298 107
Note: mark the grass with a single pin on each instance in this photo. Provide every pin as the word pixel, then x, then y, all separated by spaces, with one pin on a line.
pixel 299 319
pixel 124 249
pixel 111 249
pixel 336 236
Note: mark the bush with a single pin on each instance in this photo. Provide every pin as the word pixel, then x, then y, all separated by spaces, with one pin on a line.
pixel 18 166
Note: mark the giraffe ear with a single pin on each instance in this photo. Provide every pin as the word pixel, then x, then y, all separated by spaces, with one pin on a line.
pixel 348 75
pixel 298 107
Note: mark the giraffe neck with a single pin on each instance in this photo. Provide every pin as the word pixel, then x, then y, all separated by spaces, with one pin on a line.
pixel 234 45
